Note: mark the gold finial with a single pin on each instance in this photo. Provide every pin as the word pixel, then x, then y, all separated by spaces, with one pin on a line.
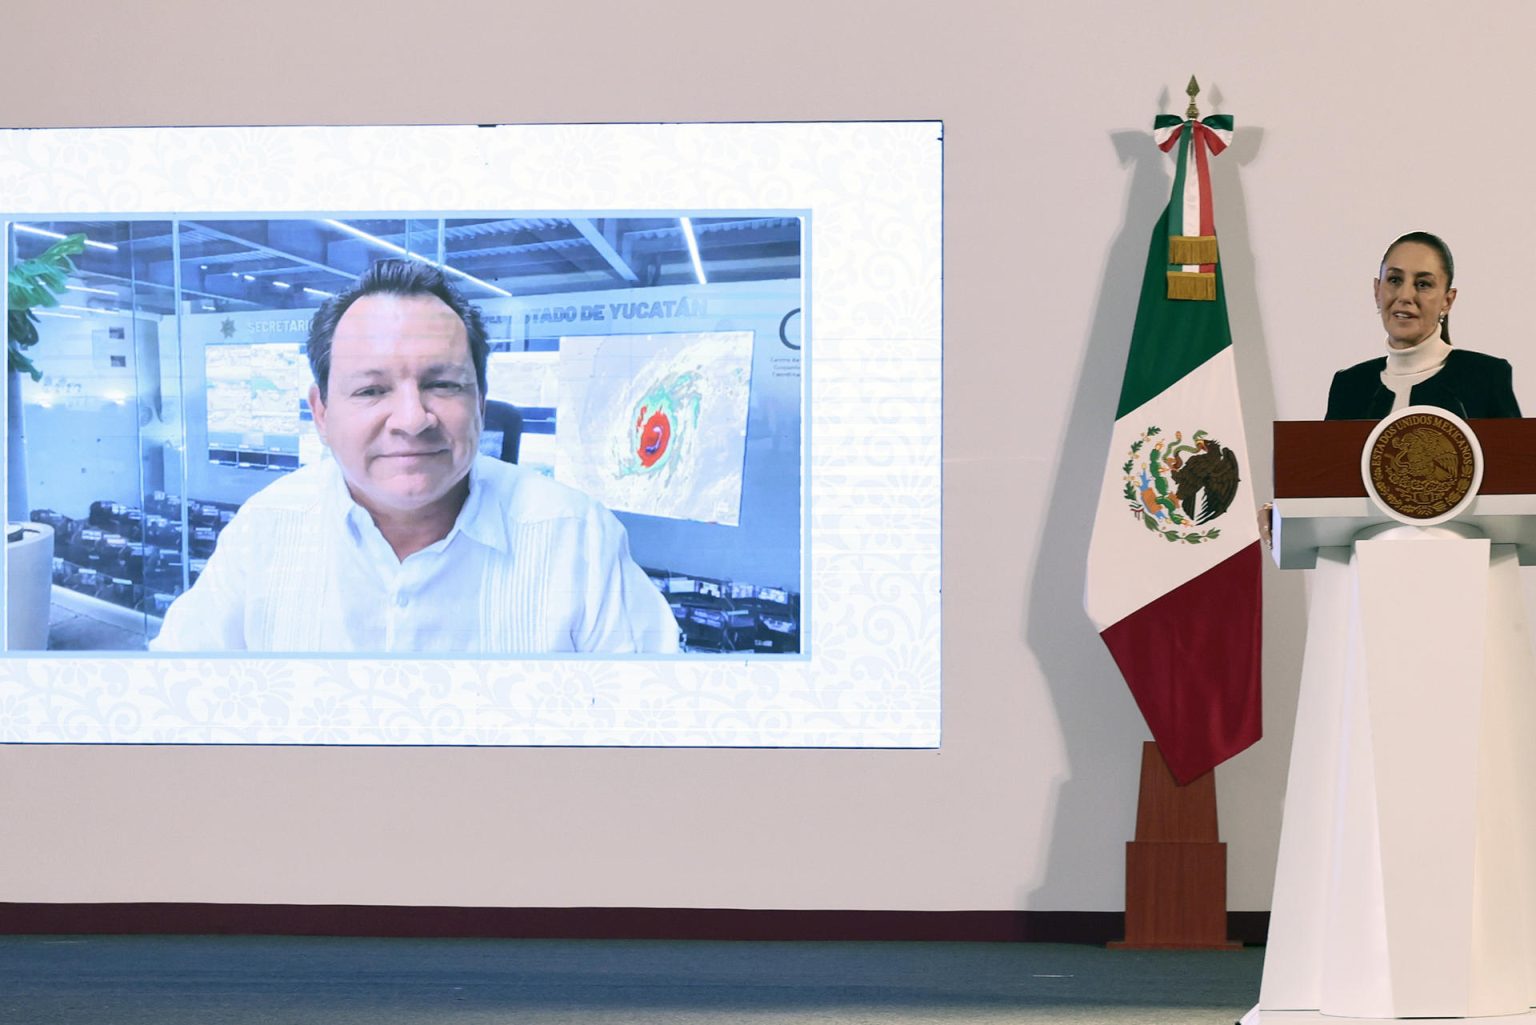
pixel 1193 91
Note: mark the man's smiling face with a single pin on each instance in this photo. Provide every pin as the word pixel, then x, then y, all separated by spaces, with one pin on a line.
pixel 402 412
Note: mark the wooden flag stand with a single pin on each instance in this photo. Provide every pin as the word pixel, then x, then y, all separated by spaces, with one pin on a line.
pixel 1176 868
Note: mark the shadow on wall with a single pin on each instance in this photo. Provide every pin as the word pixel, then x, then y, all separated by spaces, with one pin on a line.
pixel 1251 786
pixel 1095 803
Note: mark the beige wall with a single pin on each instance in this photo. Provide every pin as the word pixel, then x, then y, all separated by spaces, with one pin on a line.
pixel 1355 122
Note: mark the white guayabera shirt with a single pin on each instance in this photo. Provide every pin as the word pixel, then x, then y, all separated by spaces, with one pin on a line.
pixel 530 566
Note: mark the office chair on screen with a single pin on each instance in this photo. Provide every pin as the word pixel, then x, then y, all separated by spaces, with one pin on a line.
pixel 504 417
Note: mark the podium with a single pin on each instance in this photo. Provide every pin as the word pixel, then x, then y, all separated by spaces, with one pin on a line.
pixel 1406 880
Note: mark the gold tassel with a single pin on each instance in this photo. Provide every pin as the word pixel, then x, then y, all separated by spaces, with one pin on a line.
pixel 1191 249
pixel 1185 285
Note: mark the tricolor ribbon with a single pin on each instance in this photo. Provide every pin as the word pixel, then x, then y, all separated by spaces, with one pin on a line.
pixel 1191 219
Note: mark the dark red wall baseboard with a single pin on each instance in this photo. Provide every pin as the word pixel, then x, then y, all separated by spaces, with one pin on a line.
pixel 1249 927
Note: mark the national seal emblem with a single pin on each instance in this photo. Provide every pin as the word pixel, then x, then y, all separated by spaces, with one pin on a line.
pixel 1178 487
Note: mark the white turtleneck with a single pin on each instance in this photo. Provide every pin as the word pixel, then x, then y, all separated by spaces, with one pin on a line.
pixel 1414 365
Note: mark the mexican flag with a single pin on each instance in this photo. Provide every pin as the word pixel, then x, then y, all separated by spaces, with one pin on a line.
pixel 1173 566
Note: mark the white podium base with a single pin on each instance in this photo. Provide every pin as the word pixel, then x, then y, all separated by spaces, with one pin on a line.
pixel 1405 881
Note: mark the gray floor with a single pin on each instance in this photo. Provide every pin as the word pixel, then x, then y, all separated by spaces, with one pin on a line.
pixel 69 630
pixel 45 980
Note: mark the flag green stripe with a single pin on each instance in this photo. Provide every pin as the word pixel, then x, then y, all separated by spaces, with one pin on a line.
pixel 1172 336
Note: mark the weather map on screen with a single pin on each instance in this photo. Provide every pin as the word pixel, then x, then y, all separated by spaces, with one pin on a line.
pixel 656 424
pixel 258 404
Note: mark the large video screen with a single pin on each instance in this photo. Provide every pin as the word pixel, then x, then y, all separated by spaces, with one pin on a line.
pixel 258 405
pixel 679 509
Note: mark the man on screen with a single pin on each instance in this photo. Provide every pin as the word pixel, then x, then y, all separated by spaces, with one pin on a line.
pixel 408 540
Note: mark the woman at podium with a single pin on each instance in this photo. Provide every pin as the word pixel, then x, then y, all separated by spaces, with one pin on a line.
pixel 1414 295
pixel 1405 882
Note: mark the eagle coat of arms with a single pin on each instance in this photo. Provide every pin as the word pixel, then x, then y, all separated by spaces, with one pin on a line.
pixel 1176 487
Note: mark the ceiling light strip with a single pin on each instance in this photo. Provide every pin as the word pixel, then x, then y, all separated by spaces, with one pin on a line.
pixel 693 249
pixel 359 233
pixel 45 233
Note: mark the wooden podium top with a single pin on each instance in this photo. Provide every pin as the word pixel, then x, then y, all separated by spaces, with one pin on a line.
pixel 1321 458
pixel 1320 499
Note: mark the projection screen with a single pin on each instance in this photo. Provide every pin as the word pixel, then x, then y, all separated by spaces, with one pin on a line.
pixel 761 416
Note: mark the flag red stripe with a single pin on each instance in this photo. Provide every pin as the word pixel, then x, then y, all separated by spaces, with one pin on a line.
pixel 1213 139
pixel 1202 161
pixel 1200 140
pixel 1191 659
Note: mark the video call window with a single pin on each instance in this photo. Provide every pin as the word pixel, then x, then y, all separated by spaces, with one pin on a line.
pixel 652 362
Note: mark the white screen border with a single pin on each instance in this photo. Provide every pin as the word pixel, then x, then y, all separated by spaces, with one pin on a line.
pixel 873 447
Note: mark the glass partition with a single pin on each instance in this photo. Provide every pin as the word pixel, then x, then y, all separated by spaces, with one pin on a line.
pixel 94 422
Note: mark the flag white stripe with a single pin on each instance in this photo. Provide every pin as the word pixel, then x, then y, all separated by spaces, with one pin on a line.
pixel 1129 565
pixel 1192 195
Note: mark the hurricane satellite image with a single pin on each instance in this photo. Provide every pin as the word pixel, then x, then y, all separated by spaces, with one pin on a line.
pixel 656 424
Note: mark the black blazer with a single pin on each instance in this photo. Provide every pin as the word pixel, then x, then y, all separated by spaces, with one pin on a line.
pixel 1470 384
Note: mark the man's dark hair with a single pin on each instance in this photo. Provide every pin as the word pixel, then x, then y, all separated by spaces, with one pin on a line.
pixel 394 277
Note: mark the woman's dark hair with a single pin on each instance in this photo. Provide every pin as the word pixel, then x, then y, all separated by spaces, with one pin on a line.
pixel 394 277
pixel 1436 243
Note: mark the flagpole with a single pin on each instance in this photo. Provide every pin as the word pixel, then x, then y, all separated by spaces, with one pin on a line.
pixel 1175 586
pixel 1176 868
